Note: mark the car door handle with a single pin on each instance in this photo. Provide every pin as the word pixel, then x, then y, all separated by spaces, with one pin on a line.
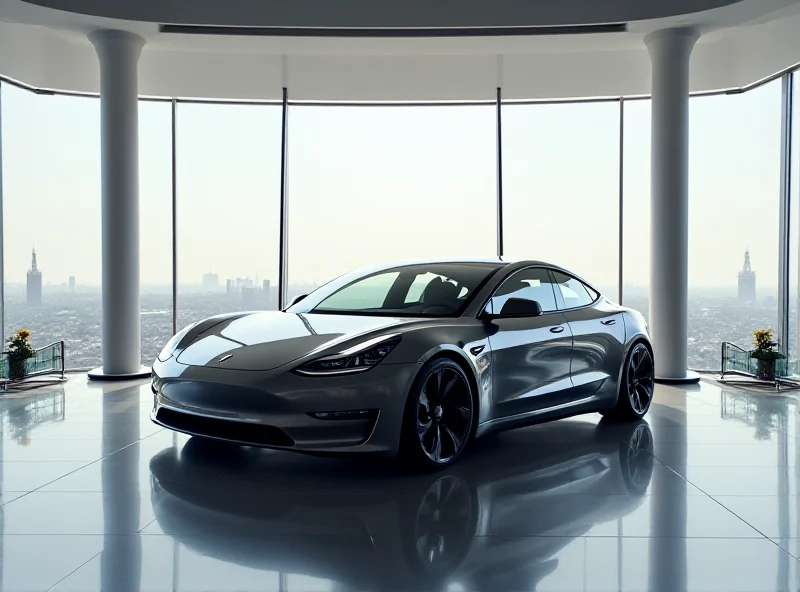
pixel 558 329
pixel 609 321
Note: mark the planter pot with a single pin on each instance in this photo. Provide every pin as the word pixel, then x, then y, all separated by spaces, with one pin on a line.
pixel 16 369
pixel 765 369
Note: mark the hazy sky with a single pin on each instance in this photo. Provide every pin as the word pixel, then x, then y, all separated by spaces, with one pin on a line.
pixel 372 184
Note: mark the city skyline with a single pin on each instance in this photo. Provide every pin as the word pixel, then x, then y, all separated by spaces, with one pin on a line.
pixel 357 199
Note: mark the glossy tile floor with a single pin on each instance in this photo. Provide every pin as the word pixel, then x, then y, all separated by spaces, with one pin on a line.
pixel 703 496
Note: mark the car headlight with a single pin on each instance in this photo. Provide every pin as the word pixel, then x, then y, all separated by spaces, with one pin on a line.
pixel 359 358
pixel 172 344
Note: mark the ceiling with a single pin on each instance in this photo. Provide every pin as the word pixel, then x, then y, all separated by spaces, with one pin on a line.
pixel 43 43
pixel 412 14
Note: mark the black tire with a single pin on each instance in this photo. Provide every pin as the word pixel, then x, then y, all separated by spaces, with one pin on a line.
pixel 440 409
pixel 636 387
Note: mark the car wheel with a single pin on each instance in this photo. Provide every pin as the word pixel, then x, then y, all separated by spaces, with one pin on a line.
pixel 438 419
pixel 637 386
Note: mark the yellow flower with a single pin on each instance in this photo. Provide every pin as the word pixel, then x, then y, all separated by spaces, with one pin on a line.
pixel 23 334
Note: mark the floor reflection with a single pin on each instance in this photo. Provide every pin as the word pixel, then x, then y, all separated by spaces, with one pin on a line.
pixel 447 527
pixel 704 496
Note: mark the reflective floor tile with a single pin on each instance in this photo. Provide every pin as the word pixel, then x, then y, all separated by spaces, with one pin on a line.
pixel 33 563
pixel 27 476
pixel 77 513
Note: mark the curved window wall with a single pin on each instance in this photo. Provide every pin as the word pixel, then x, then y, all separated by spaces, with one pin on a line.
pixel 561 187
pixel 228 198
pixel 734 195
pixel 51 203
pixel 371 184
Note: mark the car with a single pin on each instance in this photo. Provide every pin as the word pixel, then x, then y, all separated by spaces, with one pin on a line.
pixel 411 360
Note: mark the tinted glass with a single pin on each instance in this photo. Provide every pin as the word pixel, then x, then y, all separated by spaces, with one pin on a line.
pixel 414 290
pixel 529 284
pixel 573 291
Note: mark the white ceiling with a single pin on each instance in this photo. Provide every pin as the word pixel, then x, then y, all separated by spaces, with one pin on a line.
pixel 741 44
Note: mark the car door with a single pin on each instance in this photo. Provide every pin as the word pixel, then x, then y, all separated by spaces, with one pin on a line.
pixel 598 337
pixel 530 355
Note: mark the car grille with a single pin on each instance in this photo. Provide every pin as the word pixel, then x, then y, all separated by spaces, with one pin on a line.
pixel 235 431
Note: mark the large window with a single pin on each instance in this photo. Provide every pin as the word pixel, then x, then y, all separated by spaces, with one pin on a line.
pixel 228 177
pixel 794 231
pixel 734 187
pixel 155 227
pixel 51 201
pixel 371 185
pixel 561 187
pixel 636 206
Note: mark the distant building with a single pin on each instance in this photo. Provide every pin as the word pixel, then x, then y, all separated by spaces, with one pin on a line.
pixel 211 281
pixel 248 297
pixel 34 292
pixel 747 281
pixel 72 283
pixel 230 287
pixel 265 287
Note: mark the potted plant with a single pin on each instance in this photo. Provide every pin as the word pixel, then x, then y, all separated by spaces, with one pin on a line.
pixel 765 354
pixel 19 350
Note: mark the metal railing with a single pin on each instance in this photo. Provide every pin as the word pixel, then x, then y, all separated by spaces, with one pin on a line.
pixel 736 360
pixel 47 360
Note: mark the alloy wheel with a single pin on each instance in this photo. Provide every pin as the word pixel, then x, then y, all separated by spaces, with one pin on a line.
pixel 641 378
pixel 444 414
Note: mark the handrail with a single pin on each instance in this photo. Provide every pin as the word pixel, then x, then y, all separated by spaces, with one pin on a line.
pixel 46 360
pixel 737 360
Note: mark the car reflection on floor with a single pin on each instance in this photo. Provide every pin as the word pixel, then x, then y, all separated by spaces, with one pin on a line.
pixel 369 525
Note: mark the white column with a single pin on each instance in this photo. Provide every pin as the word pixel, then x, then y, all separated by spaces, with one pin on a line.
pixel 118 52
pixel 670 51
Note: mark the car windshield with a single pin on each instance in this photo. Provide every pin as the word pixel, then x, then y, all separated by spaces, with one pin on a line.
pixel 435 289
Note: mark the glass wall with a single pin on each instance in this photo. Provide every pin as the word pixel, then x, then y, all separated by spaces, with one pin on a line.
pixel 369 185
pixel 155 226
pixel 794 228
pixel 561 187
pixel 228 179
pixel 636 206
pixel 51 204
pixel 734 191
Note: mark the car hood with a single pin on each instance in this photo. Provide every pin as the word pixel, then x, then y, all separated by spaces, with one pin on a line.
pixel 267 340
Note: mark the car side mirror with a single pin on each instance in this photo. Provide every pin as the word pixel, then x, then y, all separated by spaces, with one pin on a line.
pixel 298 299
pixel 520 307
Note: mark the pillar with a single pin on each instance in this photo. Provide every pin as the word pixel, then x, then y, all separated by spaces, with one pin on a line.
pixel 670 51
pixel 118 52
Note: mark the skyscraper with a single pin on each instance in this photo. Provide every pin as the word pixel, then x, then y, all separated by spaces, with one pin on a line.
pixel 34 292
pixel 211 281
pixel 72 283
pixel 747 281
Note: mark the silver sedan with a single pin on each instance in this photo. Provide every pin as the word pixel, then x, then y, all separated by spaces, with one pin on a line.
pixel 412 360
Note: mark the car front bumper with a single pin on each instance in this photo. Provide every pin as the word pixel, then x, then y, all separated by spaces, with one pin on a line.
pixel 275 409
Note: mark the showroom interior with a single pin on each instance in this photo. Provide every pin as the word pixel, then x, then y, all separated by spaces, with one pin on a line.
pixel 164 162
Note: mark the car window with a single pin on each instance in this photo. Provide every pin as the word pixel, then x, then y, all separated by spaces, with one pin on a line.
pixel 419 284
pixel 427 289
pixel 573 291
pixel 531 284
pixel 369 293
